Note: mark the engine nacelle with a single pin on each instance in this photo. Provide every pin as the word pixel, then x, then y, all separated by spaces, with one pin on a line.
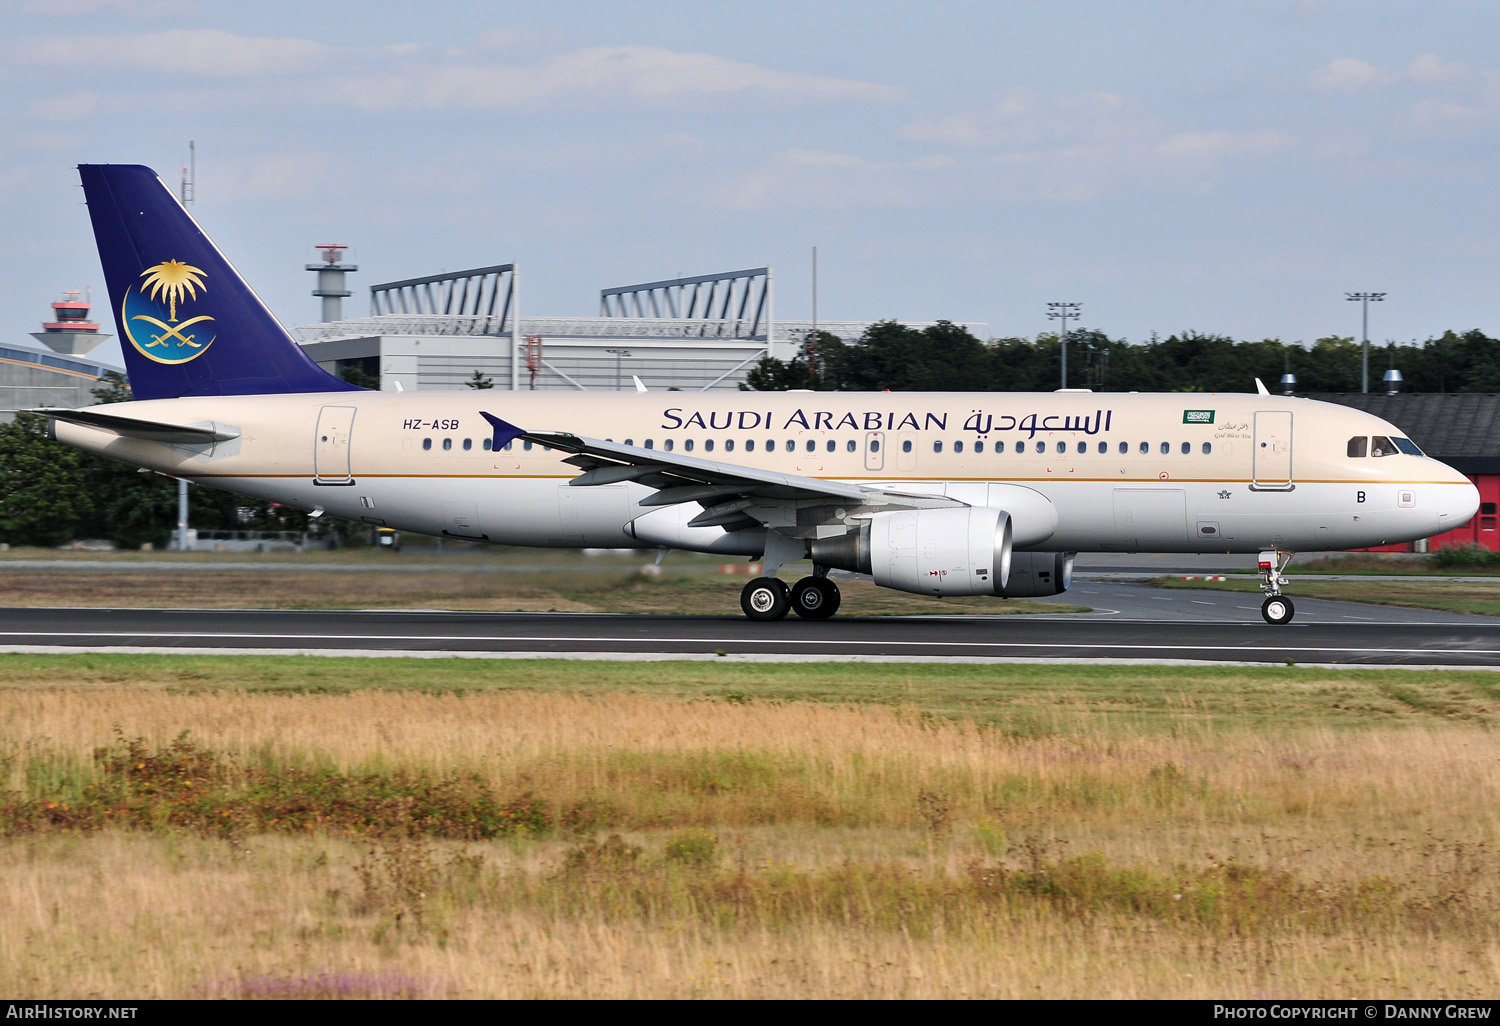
pixel 1037 574
pixel 927 551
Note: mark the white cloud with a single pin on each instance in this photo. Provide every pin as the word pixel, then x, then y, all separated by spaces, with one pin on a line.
pixel 416 77
pixel 1350 75
pixel 1225 145
pixel 505 40
pixel 125 8
pixel 642 74
pixel 64 107
pixel 1446 117
pixel 1194 161
pixel 211 52
pixel 1026 117
pixel 1347 75
pixel 828 180
pixel 275 176
pixel 1312 9
pixel 1430 69
pixel 1079 147
pixel 1455 100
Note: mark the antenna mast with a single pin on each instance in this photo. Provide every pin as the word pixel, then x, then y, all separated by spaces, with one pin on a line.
pixel 190 175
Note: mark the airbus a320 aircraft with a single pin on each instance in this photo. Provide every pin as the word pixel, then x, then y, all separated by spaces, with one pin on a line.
pixel 980 493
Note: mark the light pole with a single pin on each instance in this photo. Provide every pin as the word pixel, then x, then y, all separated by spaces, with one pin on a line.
pixel 618 354
pixel 182 515
pixel 811 345
pixel 1364 299
pixel 1063 311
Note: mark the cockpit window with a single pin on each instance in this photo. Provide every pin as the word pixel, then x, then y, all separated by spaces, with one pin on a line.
pixel 1382 446
pixel 1407 446
pixel 1359 446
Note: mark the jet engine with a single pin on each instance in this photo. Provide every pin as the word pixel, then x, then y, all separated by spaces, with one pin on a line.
pixel 1036 574
pixel 927 551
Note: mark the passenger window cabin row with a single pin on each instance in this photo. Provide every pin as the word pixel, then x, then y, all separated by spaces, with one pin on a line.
pixel 1081 448
pixel 977 446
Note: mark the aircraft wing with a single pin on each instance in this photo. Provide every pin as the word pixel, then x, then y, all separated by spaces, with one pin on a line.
pixel 148 430
pixel 732 495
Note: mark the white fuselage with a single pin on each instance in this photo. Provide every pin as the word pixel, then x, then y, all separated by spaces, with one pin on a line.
pixel 1165 472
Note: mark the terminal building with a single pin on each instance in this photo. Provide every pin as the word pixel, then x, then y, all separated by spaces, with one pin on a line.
pixel 694 334
pixel 59 374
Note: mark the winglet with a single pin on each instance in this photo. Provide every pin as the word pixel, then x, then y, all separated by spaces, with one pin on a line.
pixel 1260 387
pixel 504 432
pixel 638 386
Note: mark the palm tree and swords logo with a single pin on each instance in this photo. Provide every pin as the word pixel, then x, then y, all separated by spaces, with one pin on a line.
pixel 167 341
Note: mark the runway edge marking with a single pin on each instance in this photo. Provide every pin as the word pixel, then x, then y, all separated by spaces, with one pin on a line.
pixel 703 657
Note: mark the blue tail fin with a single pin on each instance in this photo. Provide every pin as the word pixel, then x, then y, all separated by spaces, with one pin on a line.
pixel 189 325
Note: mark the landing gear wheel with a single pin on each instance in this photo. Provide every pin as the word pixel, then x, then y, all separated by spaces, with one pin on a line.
pixel 815 598
pixel 765 598
pixel 1277 609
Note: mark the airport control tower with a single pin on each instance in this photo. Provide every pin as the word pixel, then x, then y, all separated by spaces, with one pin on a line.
pixel 70 332
pixel 331 271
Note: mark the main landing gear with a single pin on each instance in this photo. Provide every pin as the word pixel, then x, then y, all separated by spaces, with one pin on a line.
pixel 812 598
pixel 1277 608
pixel 768 598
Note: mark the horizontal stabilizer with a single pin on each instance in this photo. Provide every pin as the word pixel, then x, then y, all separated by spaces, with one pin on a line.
pixel 147 430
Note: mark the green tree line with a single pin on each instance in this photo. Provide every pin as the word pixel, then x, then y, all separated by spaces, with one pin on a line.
pixel 51 493
pixel 947 357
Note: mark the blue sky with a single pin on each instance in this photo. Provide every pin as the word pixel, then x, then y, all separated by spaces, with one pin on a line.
pixel 1226 167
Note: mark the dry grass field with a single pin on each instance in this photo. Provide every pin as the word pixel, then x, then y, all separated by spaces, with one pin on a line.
pixel 466 828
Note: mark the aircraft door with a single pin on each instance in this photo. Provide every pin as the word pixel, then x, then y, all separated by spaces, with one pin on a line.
pixel 1272 470
pixel 331 446
pixel 906 451
pixel 874 450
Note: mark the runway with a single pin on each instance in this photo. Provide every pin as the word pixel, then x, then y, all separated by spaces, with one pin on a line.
pixel 1386 638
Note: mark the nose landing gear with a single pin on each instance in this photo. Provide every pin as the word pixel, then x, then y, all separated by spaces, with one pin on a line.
pixel 1277 608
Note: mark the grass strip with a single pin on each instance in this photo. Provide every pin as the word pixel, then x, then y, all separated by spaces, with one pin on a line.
pixel 1024 699
pixel 1417 593
pixel 690 589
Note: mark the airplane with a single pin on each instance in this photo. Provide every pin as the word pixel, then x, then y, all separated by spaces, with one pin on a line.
pixel 941 494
